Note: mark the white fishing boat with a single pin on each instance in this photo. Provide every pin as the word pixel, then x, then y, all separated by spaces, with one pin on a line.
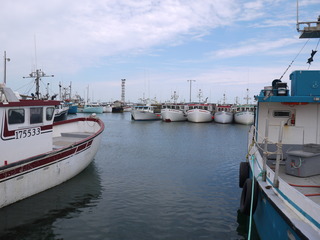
pixel 127 108
pixel 61 111
pixel 107 107
pixel 145 113
pixel 199 113
pixel 281 176
pixel 173 113
pixel 244 113
pixel 49 153
pixel 223 113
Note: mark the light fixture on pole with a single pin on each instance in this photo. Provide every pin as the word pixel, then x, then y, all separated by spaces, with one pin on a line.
pixel 190 88
pixel 5 68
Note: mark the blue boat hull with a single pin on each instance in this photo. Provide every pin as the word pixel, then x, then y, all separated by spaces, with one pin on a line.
pixel 271 223
pixel 73 109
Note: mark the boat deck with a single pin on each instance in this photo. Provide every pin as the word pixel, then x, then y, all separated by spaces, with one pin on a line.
pixel 67 139
pixel 310 184
pixel 302 181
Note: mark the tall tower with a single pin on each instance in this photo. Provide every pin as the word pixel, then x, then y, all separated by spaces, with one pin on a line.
pixel 123 90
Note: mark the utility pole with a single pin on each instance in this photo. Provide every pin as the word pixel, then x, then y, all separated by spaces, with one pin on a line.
pixel 190 88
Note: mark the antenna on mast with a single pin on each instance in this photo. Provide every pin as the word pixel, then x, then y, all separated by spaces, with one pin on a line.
pixel 298 15
pixel 35 50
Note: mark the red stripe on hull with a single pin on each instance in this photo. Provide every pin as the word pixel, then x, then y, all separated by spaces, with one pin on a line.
pixel 50 158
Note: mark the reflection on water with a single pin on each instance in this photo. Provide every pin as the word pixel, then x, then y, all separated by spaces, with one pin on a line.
pixel 149 180
pixel 33 218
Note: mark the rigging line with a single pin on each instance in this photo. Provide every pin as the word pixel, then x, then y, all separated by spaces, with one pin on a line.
pixel 27 84
pixel 30 89
pixel 317 44
pixel 294 59
pixel 312 54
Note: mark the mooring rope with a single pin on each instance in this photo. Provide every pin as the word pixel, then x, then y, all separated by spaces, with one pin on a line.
pixel 252 196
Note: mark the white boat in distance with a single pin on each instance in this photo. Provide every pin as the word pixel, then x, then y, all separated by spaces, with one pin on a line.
pixel 107 107
pixel 92 108
pixel 144 113
pixel 61 111
pixel 199 113
pixel 244 114
pixel 223 114
pixel 49 153
pixel 280 178
pixel 173 113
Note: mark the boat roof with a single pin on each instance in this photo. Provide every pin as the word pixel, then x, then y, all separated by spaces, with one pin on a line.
pixel 9 99
pixel 305 88
pixel 289 99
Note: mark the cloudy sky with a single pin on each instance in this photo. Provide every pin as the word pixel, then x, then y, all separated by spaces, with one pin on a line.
pixel 225 46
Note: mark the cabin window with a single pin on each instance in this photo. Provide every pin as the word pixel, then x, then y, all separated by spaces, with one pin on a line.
pixel 49 113
pixel 36 115
pixel 282 114
pixel 16 116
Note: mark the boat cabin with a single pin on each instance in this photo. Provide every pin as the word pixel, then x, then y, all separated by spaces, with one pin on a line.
pixel 203 106
pixel 21 122
pixel 290 117
pixel 174 106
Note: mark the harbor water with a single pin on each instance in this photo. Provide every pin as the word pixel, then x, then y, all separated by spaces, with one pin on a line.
pixel 149 180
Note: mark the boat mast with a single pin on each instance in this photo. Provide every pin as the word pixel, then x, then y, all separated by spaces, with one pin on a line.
pixel 200 95
pixel 247 98
pixel 70 92
pixel 174 97
pixel 37 75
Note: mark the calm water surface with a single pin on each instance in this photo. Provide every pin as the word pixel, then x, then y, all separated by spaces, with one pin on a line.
pixel 149 180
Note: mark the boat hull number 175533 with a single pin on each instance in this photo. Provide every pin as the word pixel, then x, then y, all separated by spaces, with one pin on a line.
pixel 25 133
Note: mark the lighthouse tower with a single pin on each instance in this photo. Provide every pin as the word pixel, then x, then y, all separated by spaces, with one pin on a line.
pixel 123 90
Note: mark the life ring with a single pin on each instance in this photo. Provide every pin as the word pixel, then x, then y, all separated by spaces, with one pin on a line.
pixel 243 173
pixel 245 201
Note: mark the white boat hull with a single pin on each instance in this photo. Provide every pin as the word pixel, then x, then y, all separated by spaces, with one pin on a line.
pixel 41 172
pixel 173 115
pixel 107 109
pixel 199 115
pixel 223 117
pixel 144 115
pixel 127 109
pixel 245 117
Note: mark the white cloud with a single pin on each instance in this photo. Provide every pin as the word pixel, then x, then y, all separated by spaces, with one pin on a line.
pixel 93 41
pixel 253 47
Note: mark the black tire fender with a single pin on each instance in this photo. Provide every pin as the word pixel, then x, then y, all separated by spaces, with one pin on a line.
pixel 245 201
pixel 243 173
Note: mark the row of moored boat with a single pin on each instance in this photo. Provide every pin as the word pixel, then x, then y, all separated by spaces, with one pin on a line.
pixel 198 113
